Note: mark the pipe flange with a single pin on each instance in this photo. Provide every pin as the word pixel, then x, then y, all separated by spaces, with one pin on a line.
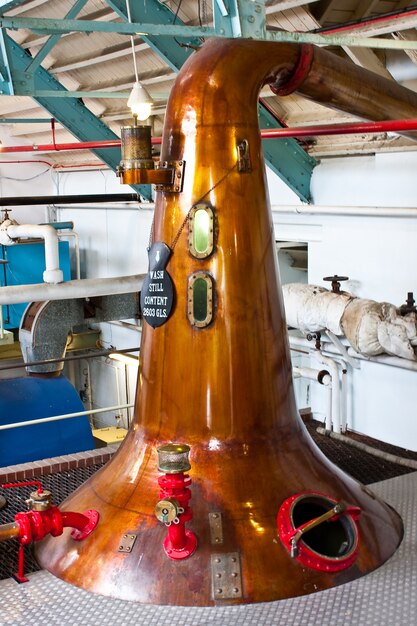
pixel 299 74
pixel 93 517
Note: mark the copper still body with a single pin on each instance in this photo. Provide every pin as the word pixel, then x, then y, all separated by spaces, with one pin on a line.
pixel 217 377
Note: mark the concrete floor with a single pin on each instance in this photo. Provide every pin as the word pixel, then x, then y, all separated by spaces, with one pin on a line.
pixel 387 597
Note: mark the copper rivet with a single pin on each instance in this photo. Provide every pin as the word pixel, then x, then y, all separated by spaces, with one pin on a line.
pixel 219 590
pixel 218 560
pixel 234 575
pixel 218 575
pixel 236 590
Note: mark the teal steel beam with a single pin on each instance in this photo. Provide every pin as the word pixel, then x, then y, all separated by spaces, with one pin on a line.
pixel 286 158
pixel 172 51
pixel 71 113
pixel 50 93
pixel 147 30
pixel 6 85
pixel 289 160
pixel 53 40
pixel 8 5
pixel 28 120
pixel 240 18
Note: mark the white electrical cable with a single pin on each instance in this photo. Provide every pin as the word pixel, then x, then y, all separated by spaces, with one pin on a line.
pixel 129 17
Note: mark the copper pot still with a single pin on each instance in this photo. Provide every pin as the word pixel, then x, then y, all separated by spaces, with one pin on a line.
pixel 272 518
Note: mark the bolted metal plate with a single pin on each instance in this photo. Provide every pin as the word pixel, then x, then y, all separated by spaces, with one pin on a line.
pixel 127 542
pixel 226 576
pixel 177 183
pixel 216 528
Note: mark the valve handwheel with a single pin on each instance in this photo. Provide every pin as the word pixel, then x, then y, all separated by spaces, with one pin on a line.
pixel 336 280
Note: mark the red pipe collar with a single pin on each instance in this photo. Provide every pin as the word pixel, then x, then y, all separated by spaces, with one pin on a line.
pixel 300 73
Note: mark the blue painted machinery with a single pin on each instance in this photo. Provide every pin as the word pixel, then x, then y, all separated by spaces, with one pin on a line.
pixel 34 397
pixel 25 264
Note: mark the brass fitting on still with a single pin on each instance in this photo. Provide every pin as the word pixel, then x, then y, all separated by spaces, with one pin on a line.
pixel 172 508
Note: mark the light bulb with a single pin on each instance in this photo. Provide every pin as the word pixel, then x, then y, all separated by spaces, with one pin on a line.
pixel 140 102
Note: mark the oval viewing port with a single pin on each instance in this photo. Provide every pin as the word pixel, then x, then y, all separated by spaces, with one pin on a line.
pixel 200 299
pixel 201 231
pixel 319 532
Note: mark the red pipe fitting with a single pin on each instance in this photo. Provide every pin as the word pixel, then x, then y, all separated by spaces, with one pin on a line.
pixel 35 525
pixel 175 495
pixel 44 519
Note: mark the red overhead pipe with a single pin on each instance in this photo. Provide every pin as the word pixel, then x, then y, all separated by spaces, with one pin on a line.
pixel 349 26
pixel 81 145
pixel 341 129
pixel 272 133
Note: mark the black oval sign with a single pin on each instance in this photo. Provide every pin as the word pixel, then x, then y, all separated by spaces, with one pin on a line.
pixel 157 295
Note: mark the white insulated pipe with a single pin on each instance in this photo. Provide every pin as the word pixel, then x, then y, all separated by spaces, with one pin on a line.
pixel 328 416
pixel 334 373
pixel 52 274
pixel 394 361
pixel 320 376
pixel 71 233
pixel 85 288
pixel 364 211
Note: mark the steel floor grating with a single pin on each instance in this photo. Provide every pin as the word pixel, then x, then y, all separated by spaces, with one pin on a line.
pixel 387 597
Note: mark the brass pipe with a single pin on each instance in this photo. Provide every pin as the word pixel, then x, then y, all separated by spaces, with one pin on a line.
pixel 9 531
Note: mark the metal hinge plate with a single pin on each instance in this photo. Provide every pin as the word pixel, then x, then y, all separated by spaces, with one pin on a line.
pixel 127 542
pixel 216 528
pixel 177 183
pixel 226 576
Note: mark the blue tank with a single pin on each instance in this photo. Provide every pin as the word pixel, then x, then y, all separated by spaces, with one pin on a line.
pixel 30 398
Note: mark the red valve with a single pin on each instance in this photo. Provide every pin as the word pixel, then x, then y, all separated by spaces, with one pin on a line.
pixel 44 519
pixel 180 542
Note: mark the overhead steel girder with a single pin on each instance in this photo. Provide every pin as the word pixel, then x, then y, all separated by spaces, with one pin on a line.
pixel 70 112
pixel 155 12
pixel 286 158
pixel 6 85
pixel 8 5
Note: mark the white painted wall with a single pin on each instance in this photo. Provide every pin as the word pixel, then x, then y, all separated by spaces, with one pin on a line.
pixel 25 177
pixel 380 257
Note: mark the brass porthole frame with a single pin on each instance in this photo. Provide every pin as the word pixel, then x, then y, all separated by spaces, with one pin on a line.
pixel 209 280
pixel 210 235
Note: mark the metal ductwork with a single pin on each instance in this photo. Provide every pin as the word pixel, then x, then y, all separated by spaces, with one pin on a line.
pixel 45 326
pixel 267 516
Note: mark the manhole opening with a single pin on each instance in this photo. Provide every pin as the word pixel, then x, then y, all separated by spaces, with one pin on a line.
pixel 332 539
